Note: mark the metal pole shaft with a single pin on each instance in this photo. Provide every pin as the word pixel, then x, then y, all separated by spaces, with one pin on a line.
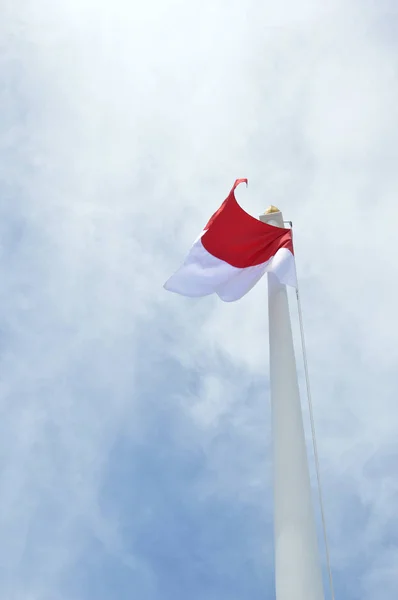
pixel 298 574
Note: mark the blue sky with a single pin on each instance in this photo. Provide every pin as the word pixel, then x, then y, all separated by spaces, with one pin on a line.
pixel 135 425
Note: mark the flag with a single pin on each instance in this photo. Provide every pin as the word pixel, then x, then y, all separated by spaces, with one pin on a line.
pixel 232 253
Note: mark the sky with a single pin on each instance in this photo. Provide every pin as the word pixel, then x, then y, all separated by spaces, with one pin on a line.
pixel 135 451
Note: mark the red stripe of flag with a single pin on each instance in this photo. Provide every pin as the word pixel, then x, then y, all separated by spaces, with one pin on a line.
pixel 241 240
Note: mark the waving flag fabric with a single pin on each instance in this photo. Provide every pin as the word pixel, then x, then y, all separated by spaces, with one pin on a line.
pixel 232 253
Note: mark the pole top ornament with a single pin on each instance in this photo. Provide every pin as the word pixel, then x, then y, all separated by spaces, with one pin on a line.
pixel 271 209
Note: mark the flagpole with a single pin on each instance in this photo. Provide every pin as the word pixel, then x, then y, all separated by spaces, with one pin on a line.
pixel 298 574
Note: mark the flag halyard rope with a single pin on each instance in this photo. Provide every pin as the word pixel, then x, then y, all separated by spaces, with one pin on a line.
pixel 314 444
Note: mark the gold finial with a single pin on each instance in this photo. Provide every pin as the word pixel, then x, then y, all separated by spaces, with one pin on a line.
pixel 271 209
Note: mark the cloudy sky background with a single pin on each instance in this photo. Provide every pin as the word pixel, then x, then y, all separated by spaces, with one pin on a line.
pixel 134 432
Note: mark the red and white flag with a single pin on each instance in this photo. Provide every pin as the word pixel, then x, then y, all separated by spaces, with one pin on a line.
pixel 232 253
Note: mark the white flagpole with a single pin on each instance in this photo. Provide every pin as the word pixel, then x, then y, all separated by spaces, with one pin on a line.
pixel 298 574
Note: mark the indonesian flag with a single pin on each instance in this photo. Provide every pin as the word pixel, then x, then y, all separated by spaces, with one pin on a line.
pixel 232 253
